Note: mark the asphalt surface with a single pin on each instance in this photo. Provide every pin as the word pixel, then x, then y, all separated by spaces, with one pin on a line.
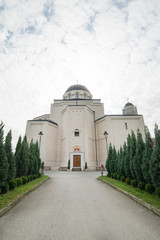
pixel 75 205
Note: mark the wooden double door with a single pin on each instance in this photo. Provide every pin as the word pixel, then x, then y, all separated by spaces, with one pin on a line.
pixel 76 160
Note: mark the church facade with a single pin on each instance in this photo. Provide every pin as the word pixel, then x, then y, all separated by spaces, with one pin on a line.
pixel 78 130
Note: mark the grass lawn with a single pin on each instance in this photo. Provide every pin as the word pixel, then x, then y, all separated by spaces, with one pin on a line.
pixel 151 199
pixel 6 199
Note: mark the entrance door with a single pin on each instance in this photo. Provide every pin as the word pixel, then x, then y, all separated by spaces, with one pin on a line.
pixel 76 160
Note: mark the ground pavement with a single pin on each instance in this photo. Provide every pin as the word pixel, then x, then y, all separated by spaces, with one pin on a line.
pixel 75 205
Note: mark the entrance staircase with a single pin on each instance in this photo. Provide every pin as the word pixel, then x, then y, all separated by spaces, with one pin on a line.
pixel 76 169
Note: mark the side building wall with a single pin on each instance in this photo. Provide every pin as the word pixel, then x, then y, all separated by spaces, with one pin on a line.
pixel 48 146
pixel 118 128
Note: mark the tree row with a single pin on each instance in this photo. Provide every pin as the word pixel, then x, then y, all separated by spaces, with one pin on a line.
pixel 137 159
pixel 25 161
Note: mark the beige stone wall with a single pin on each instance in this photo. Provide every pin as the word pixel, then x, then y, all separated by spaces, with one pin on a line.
pixel 117 133
pixel 82 119
pixel 48 148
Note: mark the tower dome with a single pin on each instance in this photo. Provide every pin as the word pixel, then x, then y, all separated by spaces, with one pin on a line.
pixel 130 109
pixel 77 91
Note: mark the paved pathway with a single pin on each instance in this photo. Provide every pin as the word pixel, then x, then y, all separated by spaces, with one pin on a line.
pixel 74 205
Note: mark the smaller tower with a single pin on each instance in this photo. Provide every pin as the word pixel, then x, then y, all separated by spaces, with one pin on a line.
pixel 130 109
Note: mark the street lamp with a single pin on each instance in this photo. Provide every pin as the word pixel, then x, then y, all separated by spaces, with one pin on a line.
pixel 40 136
pixel 106 136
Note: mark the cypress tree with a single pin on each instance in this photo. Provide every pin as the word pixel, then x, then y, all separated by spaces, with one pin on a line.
pixel 117 162
pixel 17 156
pixel 138 157
pixel 10 158
pixel 32 158
pixel 3 159
pixel 23 158
pixel 132 154
pixel 121 162
pixel 147 156
pixel 113 160
pixel 154 165
pixel 127 158
pixel 109 159
pixel 124 153
pixel 37 153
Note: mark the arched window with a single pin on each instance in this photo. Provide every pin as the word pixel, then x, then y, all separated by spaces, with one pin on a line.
pixel 77 95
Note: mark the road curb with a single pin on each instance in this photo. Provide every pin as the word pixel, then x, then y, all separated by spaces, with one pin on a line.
pixel 146 205
pixel 11 205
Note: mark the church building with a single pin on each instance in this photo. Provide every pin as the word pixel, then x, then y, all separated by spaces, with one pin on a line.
pixel 78 130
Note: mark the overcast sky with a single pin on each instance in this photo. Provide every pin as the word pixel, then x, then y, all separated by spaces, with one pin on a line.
pixel 110 46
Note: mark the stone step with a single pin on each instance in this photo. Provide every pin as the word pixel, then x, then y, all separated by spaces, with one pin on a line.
pixel 76 169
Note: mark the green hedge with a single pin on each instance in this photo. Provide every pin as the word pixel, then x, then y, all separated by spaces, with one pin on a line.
pixel 12 184
pixel 128 181
pixel 134 183
pixel 141 185
pixel 19 181
pixel 5 188
pixel 123 179
pixel 149 188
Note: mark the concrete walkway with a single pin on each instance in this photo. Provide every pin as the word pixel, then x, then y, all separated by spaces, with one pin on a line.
pixel 74 205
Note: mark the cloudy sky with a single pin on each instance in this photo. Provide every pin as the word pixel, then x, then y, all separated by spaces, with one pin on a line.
pixel 110 46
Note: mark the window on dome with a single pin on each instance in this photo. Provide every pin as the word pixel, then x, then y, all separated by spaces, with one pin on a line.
pixel 69 96
pixel 77 95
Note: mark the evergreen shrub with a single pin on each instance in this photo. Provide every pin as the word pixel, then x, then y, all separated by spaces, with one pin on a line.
pixel 123 179
pixel 5 188
pixel 108 175
pixel 141 185
pixel 115 175
pixel 29 178
pixel 134 183
pixel 128 181
pixel 12 184
pixel 69 164
pixel 24 179
pixel 39 174
pixel 149 188
pixel 118 177
pixel 19 181
pixel 85 165
pixel 157 191
pixel 111 175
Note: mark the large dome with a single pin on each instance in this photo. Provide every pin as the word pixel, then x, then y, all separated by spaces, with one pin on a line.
pixel 77 87
pixel 77 91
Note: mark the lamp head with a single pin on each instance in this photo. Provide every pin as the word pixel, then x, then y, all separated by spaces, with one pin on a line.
pixel 105 134
pixel 40 133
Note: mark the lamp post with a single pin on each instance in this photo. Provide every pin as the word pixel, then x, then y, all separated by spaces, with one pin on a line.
pixel 40 136
pixel 106 136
